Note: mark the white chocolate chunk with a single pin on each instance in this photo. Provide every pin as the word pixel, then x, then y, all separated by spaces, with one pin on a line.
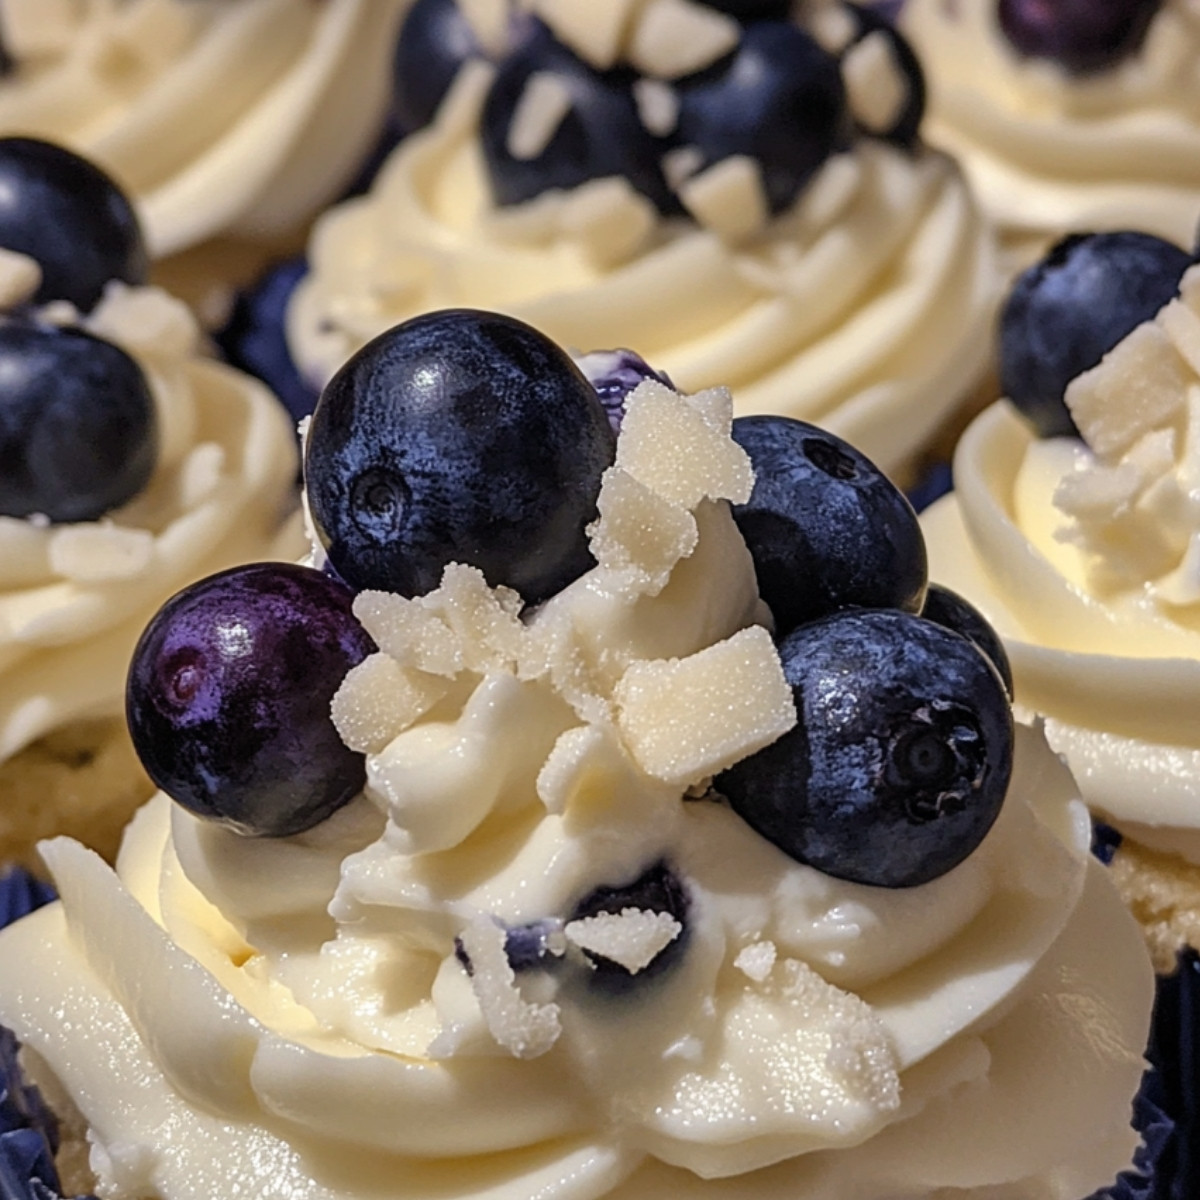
pixel 632 938
pixel 833 27
pixel 488 20
pixel 525 1030
pixel 410 632
pixel 681 163
pixel 728 198
pixel 594 31
pixel 20 278
pixel 379 699
pixel 685 719
pixel 100 552
pixel 672 38
pixel 1182 324
pixel 658 105
pixel 756 961
pixel 543 104
pixel 875 85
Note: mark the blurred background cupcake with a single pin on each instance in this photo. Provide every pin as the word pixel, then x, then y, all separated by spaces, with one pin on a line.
pixel 130 464
pixel 746 201
pixel 1067 117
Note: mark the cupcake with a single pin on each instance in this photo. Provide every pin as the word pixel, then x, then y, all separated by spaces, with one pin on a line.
pixel 747 201
pixel 1067 117
pixel 1073 528
pixel 526 848
pixel 130 464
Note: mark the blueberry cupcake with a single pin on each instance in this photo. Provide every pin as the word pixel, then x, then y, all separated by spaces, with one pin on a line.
pixel 606 812
pixel 129 465
pixel 1067 117
pixel 744 197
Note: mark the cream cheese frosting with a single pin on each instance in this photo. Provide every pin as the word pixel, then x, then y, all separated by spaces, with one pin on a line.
pixel 75 596
pixel 227 116
pixel 336 1015
pixel 1049 152
pixel 865 307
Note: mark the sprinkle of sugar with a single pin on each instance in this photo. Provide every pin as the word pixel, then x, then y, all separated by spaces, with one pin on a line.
pixel 594 31
pixel 525 1030
pixel 756 961
pixel 545 101
pixel 875 85
pixel 632 938
pixel 657 104
pixel 488 20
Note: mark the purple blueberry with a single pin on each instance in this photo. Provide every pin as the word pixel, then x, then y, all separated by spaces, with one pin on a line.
pixel 1082 36
pixel 948 609
pixel 614 374
pixel 825 527
pixel 601 134
pixel 229 692
pixel 905 128
pixel 901 758
pixel 779 98
pixel 1070 309
pixel 71 217
pixel 78 429
pixel 435 41
pixel 459 436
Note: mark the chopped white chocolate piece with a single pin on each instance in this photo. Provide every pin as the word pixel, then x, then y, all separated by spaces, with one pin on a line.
pixel 672 38
pixel 658 105
pixel 543 104
pixel 379 699
pixel 756 961
pixel 685 719
pixel 100 552
pixel 833 27
pixel 594 31
pixel 632 938
pixel 410 632
pixel 20 278
pixel 1182 324
pixel 486 620
pixel 681 163
pixel 488 20
pixel 876 87
pixel 146 320
pixel 728 198
pixel 525 1030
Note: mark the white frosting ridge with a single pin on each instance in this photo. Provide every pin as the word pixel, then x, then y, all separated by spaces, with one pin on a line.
pixel 214 117
pixel 1048 152
pixel 75 597
pixel 867 307
pixel 292 1013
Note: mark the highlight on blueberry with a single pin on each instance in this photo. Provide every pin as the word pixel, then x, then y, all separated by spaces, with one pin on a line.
pixel 827 530
pixel 229 693
pixel 1070 309
pixel 78 427
pixel 458 436
pixel 1082 36
pixel 67 214
pixel 901 758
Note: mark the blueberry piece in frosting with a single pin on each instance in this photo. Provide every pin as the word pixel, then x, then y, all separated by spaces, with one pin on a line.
pixel 70 217
pixel 614 374
pixel 1082 36
pixel 434 42
pixel 78 430
pixel 900 760
pixel 1068 310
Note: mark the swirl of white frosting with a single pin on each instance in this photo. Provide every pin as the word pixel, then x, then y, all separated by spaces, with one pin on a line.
pixel 1086 560
pixel 240 116
pixel 296 1015
pixel 74 597
pixel 1048 152
pixel 865 308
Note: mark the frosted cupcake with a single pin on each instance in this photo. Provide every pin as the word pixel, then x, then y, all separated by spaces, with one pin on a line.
pixel 1080 545
pixel 1067 117
pixel 527 917
pixel 748 203
pixel 131 464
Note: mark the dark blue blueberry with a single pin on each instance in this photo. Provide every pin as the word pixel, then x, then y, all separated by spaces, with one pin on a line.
pixel 906 127
pixel 826 528
pixel 948 609
pixel 78 429
pixel 27 1169
pixel 69 215
pixel 21 1104
pixel 934 482
pixel 658 889
pixel 614 374
pixel 528 946
pixel 228 698
pixel 778 97
pixel 1082 36
pixel 600 135
pixel 459 436
pixel 20 894
pixel 435 41
pixel 1070 309
pixel 255 338
pixel 752 10
pixel 1106 841
pixel 900 760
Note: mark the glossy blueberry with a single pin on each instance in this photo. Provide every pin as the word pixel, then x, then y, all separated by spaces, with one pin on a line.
pixel 229 692
pixel 601 133
pixel 948 609
pixel 254 339
pixel 78 430
pixel 1082 36
pixel 657 889
pixel 459 436
pixel 1070 309
pixel 69 215
pixel 901 757
pixel 825 527
pixel 434 42
pixel 778 97
pixel 614 374
pixel 906 126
